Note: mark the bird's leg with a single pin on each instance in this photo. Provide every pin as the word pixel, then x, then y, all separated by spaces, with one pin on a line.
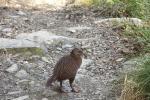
pixel 61 87
pixel 61 84
pixel 71 81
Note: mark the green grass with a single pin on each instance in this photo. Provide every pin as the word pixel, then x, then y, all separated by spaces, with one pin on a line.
pixel 142 77
pixel 119 8
pixel 141 35
pixel 139 79
pixel 136 84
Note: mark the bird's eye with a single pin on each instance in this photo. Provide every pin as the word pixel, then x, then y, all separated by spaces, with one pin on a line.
pixel 80 51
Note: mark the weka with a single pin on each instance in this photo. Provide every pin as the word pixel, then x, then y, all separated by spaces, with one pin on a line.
pixel 66 68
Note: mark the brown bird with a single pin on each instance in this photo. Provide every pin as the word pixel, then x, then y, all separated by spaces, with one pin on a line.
pixel 66 68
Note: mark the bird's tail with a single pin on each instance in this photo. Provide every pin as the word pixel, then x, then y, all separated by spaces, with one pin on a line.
pixel 50 80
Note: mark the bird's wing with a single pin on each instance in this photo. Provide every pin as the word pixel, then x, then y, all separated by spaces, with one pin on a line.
pixel 59 66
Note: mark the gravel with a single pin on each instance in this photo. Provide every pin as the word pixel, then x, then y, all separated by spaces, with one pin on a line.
pixel 29 73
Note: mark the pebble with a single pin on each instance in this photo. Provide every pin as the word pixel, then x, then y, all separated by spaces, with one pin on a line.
pixel 44 98
pixel 67 46
pixel 22 98
pixel 14 92
pixel 22 74
pixel 45 59
pixel 120 59
pixel 12 68
pixel 87 62
pixel 7 30
pixel 21 13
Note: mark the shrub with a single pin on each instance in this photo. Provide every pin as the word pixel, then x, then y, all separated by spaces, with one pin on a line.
pixel 128 8
pixel 140 34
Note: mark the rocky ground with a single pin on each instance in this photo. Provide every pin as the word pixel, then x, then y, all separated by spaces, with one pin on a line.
pixel 23 76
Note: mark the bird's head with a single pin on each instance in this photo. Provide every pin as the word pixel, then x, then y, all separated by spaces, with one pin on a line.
pixel 77 52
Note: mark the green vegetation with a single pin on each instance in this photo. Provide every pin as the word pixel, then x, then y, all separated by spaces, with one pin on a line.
pixel 142 77
pixel 141 36
pixel 137 84
pixel 120 8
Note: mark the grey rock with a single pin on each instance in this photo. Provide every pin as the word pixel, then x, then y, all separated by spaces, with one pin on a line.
pixel 14 92
pixel 15 43
pixel 23 81
pixel 71 30
pixel 22 98
pixel 45 59
pixel 120 59
pixel 87 62
pixel 35 39
pixel 21 13
pixel 60 49
pixel 44 98
pixel 7 30
pixel 12 68
pixel 67 46
pixel 27 65
pixel 22 74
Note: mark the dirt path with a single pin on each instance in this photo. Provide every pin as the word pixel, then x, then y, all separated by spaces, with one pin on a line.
pixel 96 75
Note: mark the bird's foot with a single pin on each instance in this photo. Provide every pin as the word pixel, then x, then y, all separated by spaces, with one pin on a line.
pixel 75 89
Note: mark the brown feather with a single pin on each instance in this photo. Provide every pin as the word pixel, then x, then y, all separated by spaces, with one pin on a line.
pixel 66 67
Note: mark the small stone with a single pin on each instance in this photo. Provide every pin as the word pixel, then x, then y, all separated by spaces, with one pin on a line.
pixel 87 62
pixel 21 13
pixel 71 30
pixel 22 98
pixel 126 51
pixel 89 50
pixel 45 59
pixel 22 74
pixel 23 81
pixel 125 39
pixel 7 30
pixel 44 98
pixel 27 65
pixel 32 83
pixel 120 59
pixel 9 34
pixel 12 68
pixel 0 64
pixel 14 92
pixel 67 46
pixel 60 49
pixel 97 92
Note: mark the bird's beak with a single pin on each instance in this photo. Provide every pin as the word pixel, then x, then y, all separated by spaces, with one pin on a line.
pixel 85 56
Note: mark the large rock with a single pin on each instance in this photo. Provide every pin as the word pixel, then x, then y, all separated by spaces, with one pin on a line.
pixel 36 39
pixel 16 43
